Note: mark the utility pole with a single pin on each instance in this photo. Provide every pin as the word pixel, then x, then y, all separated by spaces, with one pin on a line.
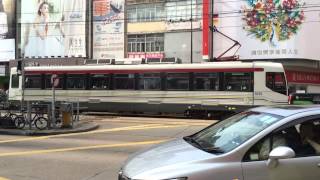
pixel 22 83
pixel 191 34
pixel 211 11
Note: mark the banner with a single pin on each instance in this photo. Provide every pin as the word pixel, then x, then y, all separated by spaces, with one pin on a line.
pixel 7 30
pixel 268 29
pixel 108 29
pixel 53 28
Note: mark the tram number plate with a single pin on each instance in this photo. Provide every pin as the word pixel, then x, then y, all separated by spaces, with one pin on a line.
pixel 258 93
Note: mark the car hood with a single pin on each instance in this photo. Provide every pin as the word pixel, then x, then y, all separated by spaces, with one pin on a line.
pixel 167 154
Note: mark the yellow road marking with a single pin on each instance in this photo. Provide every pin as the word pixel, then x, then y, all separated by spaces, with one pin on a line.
pixel 171 123
pixel 130 128
pixel 2 178
pixel 81 148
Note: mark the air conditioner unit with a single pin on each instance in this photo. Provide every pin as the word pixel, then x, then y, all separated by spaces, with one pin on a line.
pixel 153 60
pixel 91 62
pixel 171 60
pixel 106 61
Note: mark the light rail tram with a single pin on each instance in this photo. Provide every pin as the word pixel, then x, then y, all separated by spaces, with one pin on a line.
pixel 210 89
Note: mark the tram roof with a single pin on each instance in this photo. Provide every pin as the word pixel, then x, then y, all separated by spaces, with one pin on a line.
pixel 214 65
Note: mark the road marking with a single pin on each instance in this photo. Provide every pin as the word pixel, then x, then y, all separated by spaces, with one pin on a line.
pixel 81 148
pixel 2 178
pixel 129 128
pixel 167 122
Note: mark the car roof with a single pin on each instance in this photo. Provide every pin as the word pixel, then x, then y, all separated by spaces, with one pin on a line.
pixel 286 110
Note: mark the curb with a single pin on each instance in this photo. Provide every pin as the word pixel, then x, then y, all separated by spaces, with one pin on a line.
pixel 89 127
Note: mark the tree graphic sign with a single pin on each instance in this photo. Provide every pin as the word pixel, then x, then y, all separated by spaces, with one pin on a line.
pixel 273 20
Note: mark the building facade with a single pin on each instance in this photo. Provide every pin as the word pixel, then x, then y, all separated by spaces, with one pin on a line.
pixel 73 31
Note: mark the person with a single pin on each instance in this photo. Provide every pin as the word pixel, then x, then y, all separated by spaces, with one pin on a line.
pixel 310 134
pixel 43 38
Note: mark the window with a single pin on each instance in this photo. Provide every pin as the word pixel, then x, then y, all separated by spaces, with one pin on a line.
pixel 146 43
pixel 238 82
pixel 47 81
pixel 145 12
pixel 181 10
pixel 178 81
pixel 100 81
pixel 303 138
pixel 150 81
pixel 76 81
pixel 232 132
pixel 124 81
pixel 206 81
pixel 14 81
pixel 33 81
pixel 276 82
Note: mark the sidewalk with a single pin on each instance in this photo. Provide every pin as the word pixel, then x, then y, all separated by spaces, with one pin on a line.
pixel 77 127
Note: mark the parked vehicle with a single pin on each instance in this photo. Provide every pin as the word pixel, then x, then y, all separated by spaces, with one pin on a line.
pixel 264 143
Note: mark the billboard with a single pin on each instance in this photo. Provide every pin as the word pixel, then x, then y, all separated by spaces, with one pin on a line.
pixel 7 30
pixel 268 29
pixel 53 28
pixel 108 29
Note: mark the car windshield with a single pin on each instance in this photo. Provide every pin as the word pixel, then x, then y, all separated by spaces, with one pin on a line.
pixel 232 132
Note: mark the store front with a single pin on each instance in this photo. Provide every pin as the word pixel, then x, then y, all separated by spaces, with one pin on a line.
pixel 300 81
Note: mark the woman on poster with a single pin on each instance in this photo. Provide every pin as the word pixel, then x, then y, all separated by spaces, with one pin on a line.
pixel 46 36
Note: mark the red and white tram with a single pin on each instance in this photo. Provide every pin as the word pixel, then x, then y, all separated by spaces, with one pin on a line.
pixel 212 88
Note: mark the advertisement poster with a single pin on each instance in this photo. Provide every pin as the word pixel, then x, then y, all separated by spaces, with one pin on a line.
pixel 53 28
pixel 7 30
pixel 108 29
pixel 268 29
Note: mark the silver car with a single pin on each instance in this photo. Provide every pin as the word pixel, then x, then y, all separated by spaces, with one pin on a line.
pixel 278 143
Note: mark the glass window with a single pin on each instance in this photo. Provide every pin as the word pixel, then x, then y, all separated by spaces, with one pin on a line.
pixel 145 12
pixel 150 81
pixel 100 81
pixel 76 81
pixel 181 10
pixel 276 82
pixel 232 132
pixel 146 43
pixel 132 14
pixel 303 138
pixel 178 81
pixel 238 82
pixel 47 81
pixel 124 81
pixel 33 81
pixel 14 81
pixel 206 81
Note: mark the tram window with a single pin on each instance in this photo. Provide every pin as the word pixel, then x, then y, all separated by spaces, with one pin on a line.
pixel 14 81
pixel 206 81
pixel 276 82
pixel 150 81
pixel 33 82
pixel 47 81
pixel 100 81
pixel 76 81
pixel 124 81
pixel 178 81
pixel 238 82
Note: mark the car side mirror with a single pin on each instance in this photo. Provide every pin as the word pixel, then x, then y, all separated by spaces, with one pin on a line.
pixel 281 152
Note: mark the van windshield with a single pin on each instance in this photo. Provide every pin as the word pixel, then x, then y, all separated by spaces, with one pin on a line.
pixel 232 132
